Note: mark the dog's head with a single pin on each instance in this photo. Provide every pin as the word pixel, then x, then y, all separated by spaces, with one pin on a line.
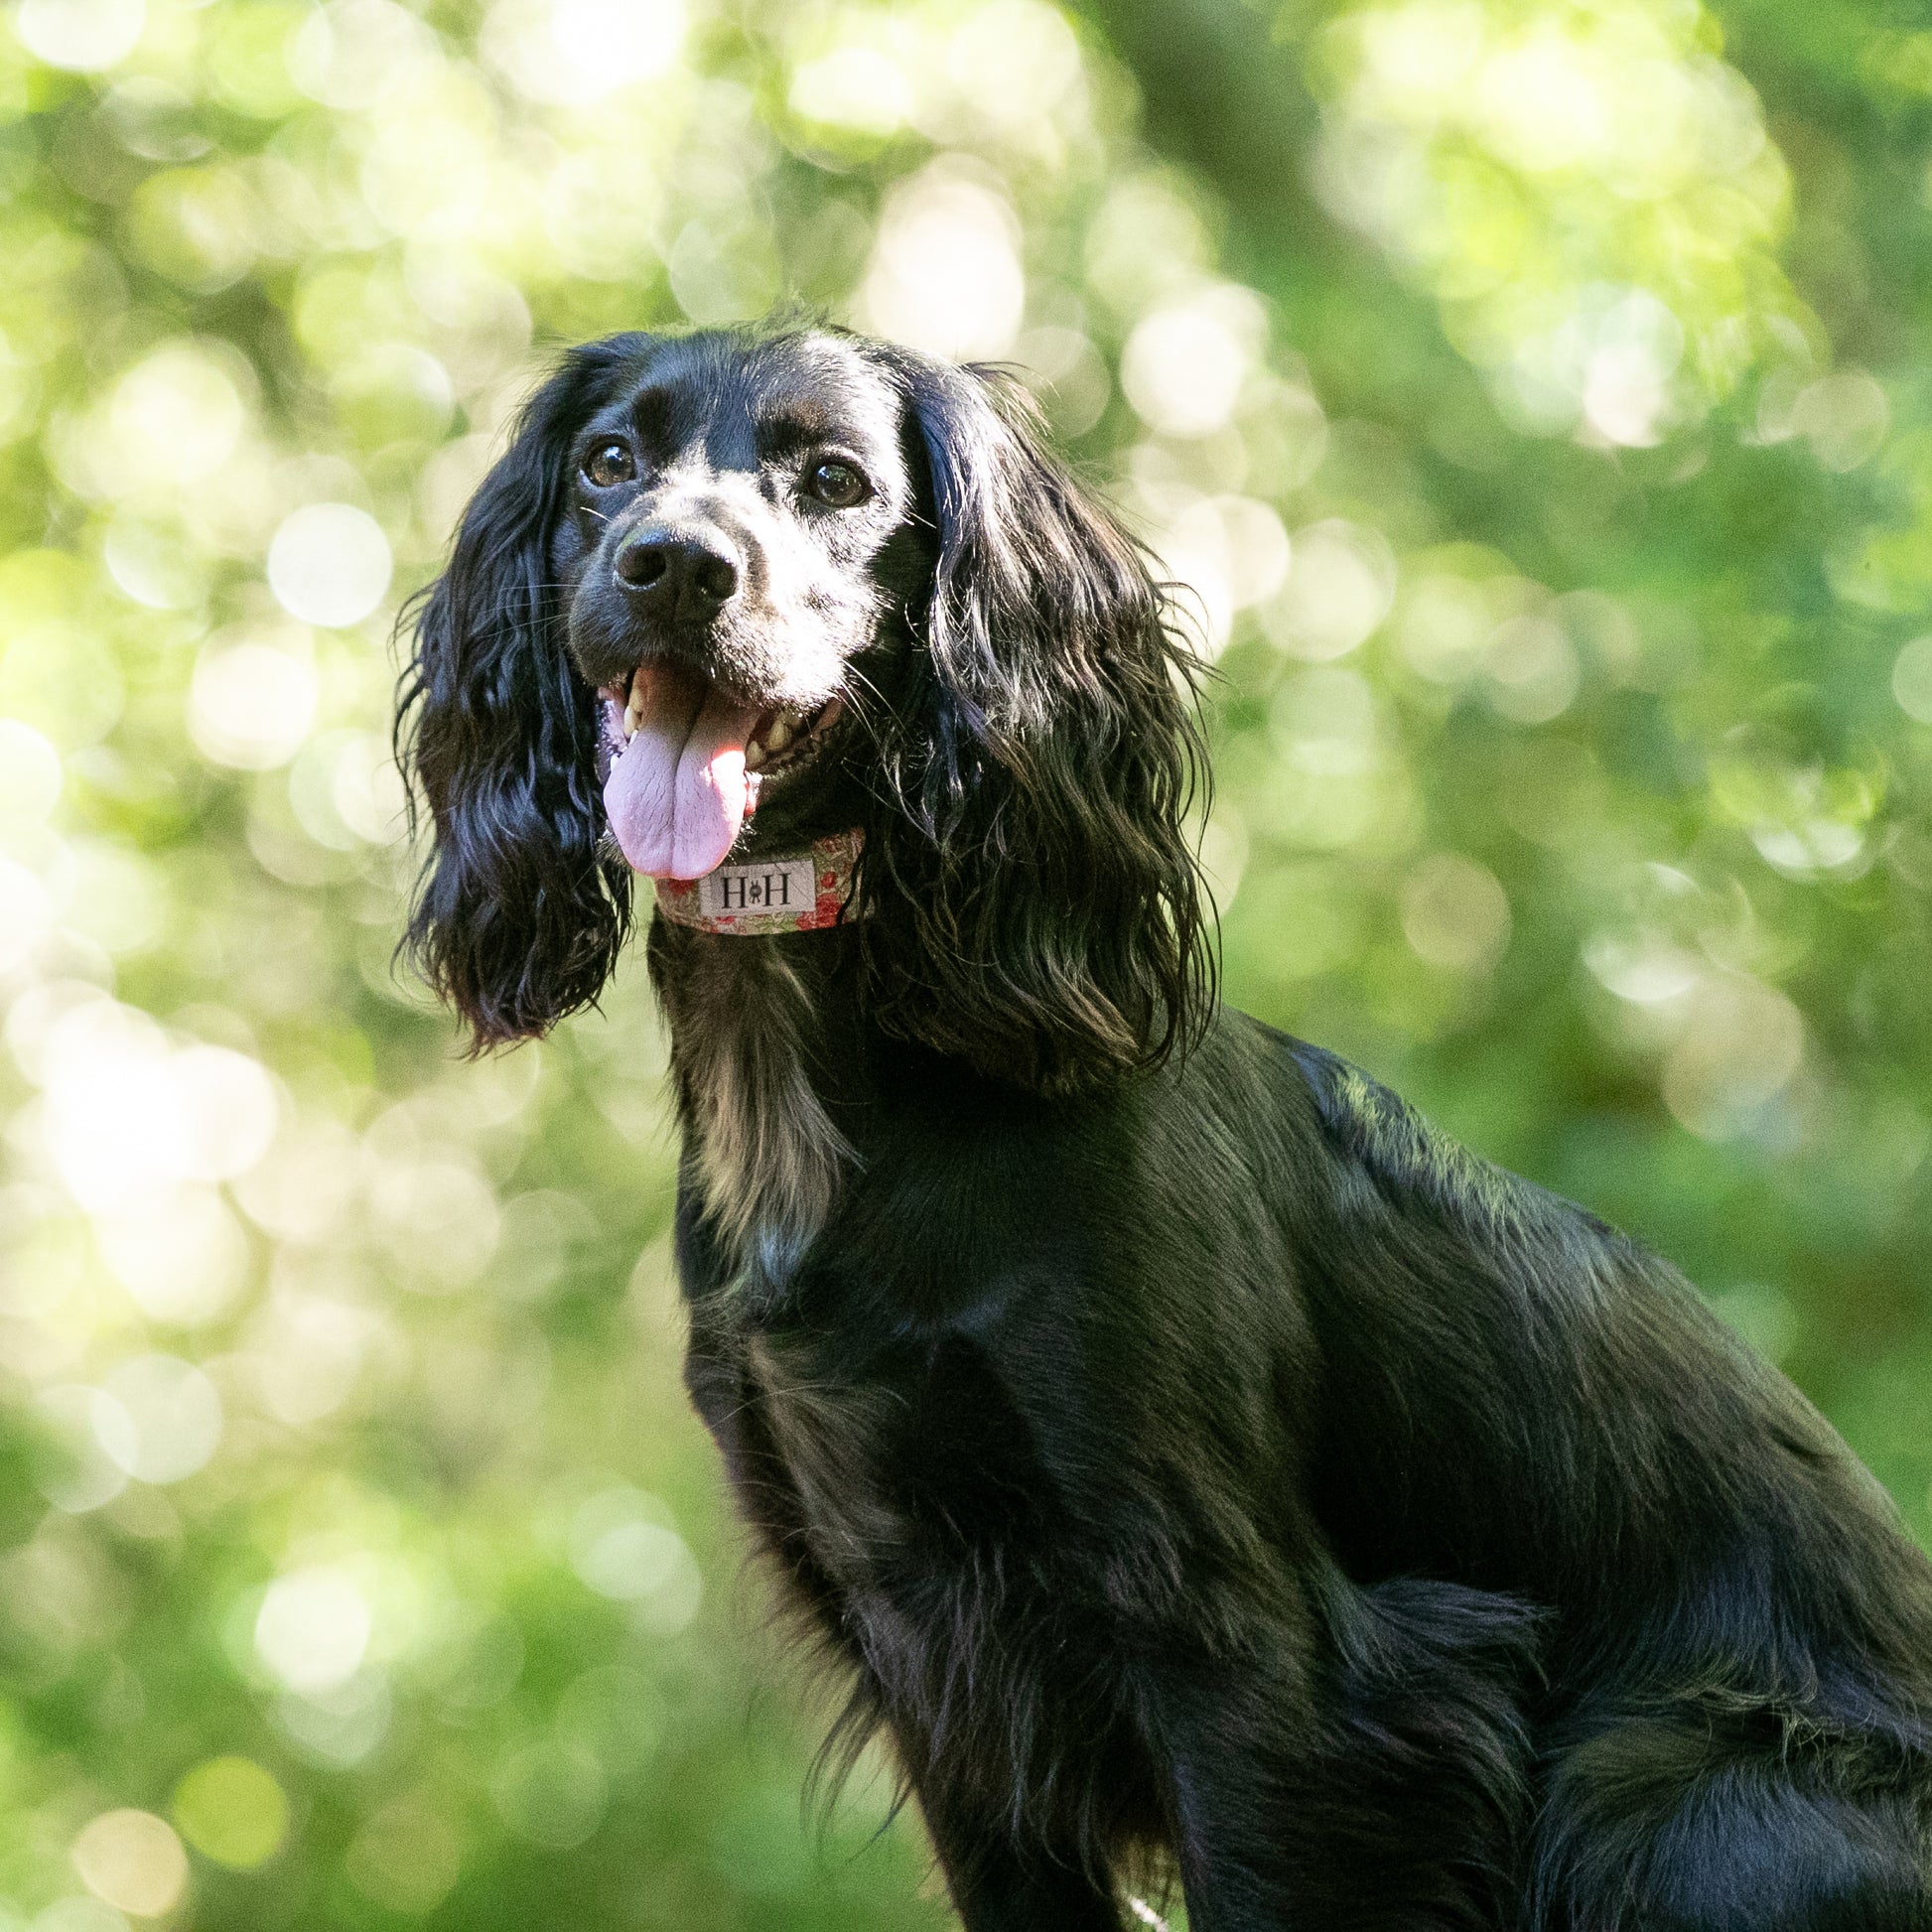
pixel 730 592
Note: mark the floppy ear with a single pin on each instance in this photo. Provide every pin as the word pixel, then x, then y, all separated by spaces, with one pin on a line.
pixel 1039 909
pixel 517 917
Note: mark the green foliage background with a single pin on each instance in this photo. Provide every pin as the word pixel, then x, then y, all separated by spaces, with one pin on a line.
pixel 1533 395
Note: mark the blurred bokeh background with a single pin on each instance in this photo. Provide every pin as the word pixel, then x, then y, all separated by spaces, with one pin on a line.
pixel 1533 395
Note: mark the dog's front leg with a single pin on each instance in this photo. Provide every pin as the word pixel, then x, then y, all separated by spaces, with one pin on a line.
pixel 1249 1813
pixel 1228 1842
pixel 997 1887
pixel 1380 1783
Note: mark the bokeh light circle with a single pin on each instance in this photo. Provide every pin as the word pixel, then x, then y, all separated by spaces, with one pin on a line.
pixel 1911 680
pixel 251 704
pixel 132 1860
pixel 329 564
pixel 175 1416
pixel 175 418
pixel 30 771
pixel 232 1811
pixel 945 274
pixel 84 35
pixel 313 1629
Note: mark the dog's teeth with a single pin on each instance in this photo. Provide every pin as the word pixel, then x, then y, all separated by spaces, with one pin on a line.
pixel 779 735
pixel 754 756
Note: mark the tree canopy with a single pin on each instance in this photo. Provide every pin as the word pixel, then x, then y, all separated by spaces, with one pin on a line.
pixel 1529 398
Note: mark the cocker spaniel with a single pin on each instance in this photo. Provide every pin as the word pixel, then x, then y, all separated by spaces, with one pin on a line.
pixel 1192 1455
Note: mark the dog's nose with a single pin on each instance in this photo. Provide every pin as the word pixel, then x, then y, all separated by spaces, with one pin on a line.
pixel 665 567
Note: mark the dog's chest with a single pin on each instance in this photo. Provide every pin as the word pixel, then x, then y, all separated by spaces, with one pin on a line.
pixel 839 1440
pixel 909 1459
pixel 762 1151
pixel 931 1506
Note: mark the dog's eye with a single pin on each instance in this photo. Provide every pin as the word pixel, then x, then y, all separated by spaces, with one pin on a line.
pixel 838 486
pixel 609 465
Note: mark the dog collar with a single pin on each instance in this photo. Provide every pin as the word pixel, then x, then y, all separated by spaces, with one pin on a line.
pixel 801 894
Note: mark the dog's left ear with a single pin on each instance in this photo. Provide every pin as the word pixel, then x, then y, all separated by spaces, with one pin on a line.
pixel 1041 912
pixel 520 913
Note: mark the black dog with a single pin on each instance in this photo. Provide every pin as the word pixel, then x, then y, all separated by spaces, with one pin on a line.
pixel 1189 1451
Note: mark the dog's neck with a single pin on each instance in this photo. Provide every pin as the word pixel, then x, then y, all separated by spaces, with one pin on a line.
pixel 768 1054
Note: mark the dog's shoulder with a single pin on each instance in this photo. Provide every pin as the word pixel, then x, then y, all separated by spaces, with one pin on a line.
pixel 1375 1129
pixel 1384 1154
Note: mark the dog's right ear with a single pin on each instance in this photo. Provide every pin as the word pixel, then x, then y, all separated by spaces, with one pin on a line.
pixel 517 916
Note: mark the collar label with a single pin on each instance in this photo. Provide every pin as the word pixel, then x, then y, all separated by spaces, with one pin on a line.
pixel 781 885
pixel 800 893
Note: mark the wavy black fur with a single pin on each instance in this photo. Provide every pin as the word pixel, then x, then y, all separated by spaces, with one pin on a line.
pixel 520 916
pixel 1186 1456
pixel 1037 768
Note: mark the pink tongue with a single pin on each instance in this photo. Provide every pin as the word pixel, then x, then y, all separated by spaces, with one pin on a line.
pixel 677 796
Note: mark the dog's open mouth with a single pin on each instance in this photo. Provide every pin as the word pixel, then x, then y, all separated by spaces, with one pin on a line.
pixel 682 760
